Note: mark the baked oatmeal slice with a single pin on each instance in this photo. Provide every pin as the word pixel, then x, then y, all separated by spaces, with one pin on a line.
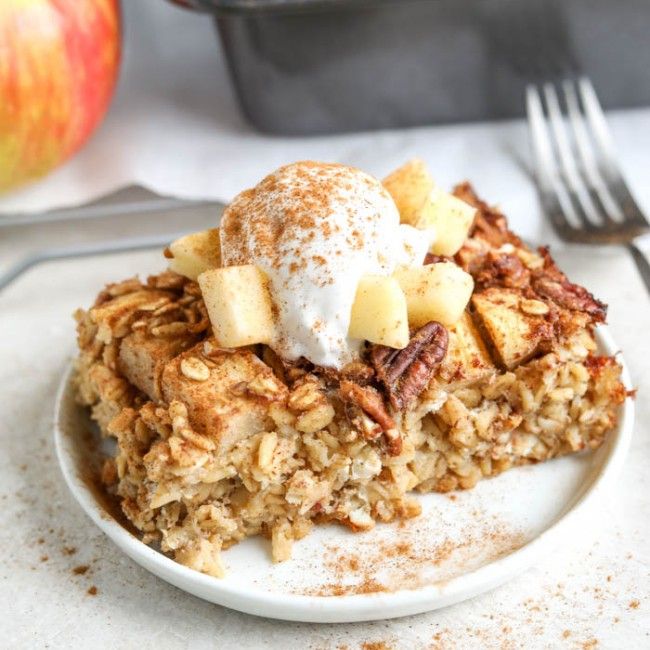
pixel 215 445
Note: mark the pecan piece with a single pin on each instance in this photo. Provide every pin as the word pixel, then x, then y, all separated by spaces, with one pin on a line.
pixel 499 270
pixel 406 373
pixel 370 401
pixel 553 284
pixel 490 225
pixel 356 371
pixel 570 296
pixel 431 258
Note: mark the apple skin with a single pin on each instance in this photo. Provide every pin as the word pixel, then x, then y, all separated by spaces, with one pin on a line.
pixel 58 67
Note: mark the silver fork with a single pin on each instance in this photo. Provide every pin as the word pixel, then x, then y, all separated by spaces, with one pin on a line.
pixel 580 185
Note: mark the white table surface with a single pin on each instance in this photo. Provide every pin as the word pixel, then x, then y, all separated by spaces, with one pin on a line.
pixel 595 589
pixel 593 593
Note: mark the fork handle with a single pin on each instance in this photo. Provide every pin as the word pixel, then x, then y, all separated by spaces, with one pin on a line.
pixel 641 262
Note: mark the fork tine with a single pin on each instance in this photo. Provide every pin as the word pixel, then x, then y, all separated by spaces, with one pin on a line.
pixel 575 186
pixel 607 159
pixel 599 129
pixel 542 151
pixel 594 182
pixel 545 167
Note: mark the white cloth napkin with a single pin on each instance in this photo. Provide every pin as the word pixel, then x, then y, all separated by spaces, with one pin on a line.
pixel 174 127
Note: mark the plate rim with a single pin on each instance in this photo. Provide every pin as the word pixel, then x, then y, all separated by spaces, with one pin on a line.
pixel 354 607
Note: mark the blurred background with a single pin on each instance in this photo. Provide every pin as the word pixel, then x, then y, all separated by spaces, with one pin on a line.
pixel 201 102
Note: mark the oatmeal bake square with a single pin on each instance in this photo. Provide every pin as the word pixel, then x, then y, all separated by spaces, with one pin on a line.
pixel 334 347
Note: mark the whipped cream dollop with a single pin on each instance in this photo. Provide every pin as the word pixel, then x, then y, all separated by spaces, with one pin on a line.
pixel 315 229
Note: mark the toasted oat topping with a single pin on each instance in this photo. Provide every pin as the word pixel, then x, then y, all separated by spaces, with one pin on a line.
pixel 194 368
pixel 534 307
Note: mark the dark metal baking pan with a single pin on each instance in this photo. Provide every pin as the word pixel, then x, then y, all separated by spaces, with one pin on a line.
pixel 325 66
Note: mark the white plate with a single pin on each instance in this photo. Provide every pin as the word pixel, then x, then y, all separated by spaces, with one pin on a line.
pixel 462 545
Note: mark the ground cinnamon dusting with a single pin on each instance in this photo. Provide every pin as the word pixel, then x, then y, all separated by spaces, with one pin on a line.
pixel 304 203
pixel 80 570
pixel 92 591
pixel 391 566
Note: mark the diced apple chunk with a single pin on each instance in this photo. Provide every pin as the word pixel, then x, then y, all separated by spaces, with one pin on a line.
pixel 410 185
pixel 379 313
pixel 467 359
pixel 195 253
pixel 513 335
pixel 451 219
pixel 239 305
pixel 437 292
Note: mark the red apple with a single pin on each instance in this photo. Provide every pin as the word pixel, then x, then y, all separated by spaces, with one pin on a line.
pixel 58 67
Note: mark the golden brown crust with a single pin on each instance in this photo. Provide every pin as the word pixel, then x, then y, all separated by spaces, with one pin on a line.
pixel 496 257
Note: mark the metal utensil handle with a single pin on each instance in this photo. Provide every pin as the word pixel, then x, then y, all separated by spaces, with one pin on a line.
pixel 85 250
pixel 641 262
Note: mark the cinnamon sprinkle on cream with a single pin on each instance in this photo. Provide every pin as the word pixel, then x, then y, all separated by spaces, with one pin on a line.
pixel 315 229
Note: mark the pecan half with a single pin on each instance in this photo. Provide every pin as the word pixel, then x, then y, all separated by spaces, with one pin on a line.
pixel 406 373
